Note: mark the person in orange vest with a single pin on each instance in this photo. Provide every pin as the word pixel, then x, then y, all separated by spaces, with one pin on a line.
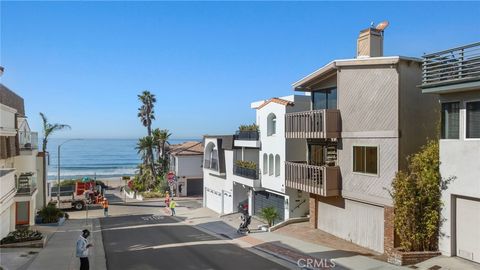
pixel 105 207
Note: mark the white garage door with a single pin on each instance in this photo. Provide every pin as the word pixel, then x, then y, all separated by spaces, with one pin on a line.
pixel 5 223
pixel 357 222
pixel 468 229
pixel 227 202
pixel 213 200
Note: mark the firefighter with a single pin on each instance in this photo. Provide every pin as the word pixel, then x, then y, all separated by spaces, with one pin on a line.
pixel 105 207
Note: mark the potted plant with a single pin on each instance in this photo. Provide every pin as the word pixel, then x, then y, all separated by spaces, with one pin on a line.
pixel 269 214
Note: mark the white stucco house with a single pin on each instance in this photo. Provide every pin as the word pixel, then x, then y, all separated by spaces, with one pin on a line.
pixel 186 162
pixel 454 76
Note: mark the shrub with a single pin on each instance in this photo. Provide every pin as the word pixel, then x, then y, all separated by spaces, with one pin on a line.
pixel 270 214
pixel 252 127
pixel 51 214
pixel 417 200
pixel 21 235
pixel 152 194
pixel 246 164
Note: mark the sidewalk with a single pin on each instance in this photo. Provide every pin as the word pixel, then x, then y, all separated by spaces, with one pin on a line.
pixel 59 253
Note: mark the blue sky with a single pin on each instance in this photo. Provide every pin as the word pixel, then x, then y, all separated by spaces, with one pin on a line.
pixel 83 63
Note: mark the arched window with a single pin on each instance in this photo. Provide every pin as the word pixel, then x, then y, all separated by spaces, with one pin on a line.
pixel 277 165
pixel 265 163
pixel 270 164
pixel 211 157
pixel 271 124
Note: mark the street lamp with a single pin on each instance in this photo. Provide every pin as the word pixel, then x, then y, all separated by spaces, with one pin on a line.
pixel 58 168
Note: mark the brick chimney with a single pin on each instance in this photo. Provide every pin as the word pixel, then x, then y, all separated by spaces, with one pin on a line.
pixel 370 43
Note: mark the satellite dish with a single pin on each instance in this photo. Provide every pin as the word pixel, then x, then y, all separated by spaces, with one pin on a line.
pixel 382 26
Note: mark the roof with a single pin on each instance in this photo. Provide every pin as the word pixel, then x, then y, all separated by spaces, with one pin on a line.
pixel 12 100
pixel 191 148
pixel 331 67
pixel 275 100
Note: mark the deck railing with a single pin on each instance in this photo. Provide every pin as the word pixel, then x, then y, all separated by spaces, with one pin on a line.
pixel 451 66
pixel 245 172
pixel 247 135
pixel 28 140
pixel 321 180
pixel 26 184
pixel 313 124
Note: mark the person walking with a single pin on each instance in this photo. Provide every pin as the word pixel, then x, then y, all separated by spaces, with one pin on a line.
pixel 82 249
pixel 173 203
pixel 105 207
pixel 167 199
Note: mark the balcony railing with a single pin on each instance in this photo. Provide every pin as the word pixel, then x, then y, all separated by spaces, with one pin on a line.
pixel 28 140
pixel 26 184
pixel 210 164
pixel 245 172
pixel 313 124
pixel 247 135
pixel 321 180
pixel 455 65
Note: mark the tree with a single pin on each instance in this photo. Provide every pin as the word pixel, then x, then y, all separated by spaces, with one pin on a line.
pixel 145 148
pixel 145 112
pixel 48 129
pixel 160 137
pixel 417 198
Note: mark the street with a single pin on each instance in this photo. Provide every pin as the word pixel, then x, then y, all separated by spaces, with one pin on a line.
pixel 154 242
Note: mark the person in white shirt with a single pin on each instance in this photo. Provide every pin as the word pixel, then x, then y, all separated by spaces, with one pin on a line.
pixel 82 249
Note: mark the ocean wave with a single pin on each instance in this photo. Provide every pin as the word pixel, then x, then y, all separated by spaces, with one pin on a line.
pixel 98 173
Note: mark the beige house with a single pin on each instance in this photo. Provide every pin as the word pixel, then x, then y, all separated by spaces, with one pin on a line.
pixel 18 164
pixel 186 161
pixel 366 116
pixel 453 76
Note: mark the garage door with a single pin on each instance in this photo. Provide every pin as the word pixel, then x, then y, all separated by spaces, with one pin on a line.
pixel 265 199
pixel 213 200
pixel 227 202
pixel 357 222
pixel 194 187
pixel 468 229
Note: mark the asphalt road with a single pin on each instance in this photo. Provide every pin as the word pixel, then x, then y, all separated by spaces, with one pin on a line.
pixel 161 242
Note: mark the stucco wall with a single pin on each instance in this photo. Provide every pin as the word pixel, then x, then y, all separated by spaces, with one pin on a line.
pixel 188 165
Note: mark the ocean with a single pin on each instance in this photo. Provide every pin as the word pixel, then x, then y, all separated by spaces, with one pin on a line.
pixel 103 158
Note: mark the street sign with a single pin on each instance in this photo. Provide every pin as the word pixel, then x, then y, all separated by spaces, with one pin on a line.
pixel 170 176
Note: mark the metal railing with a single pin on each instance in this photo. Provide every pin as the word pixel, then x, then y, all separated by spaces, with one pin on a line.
pixel 313 124
pixel 26 184
pixel 245 172
pixel 247 135
pixel 210 164
pixel 321 180
pixel 28 140
pixel 451 66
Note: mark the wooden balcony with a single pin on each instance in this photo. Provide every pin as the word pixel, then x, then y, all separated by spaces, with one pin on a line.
pixel 322 180
pixel 317 124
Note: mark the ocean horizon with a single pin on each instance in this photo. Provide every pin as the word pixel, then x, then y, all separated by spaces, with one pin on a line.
pixel 100 158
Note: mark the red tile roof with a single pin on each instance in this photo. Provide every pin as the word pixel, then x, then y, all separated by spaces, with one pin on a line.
pixel 276 100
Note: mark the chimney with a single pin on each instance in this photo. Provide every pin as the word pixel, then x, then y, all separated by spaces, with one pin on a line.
pixel 370 43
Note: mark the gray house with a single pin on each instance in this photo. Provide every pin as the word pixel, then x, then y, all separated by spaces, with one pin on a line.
pixel 366 117
pixel 454 76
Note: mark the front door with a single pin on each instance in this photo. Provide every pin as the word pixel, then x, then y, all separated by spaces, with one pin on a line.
pixel 22 213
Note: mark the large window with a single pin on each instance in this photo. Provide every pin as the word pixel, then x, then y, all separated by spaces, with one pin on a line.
pixel 265 163
pixel 277 165
pixel 325 99
pixel 271 124
pixel 473 120
pixel 450 120
pixel 365 159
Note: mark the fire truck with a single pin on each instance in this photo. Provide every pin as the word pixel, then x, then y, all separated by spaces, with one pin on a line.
pixel 77 196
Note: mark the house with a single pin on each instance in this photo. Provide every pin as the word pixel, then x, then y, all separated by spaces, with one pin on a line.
pixel 186 162
pixel 275 150
pixel 453 75
pixel 18 164
pixel 364 118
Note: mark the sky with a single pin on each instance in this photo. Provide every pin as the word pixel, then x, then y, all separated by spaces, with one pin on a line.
pixel 84 63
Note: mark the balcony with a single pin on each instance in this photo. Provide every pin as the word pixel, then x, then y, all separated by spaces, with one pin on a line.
pixel 452 70
pixel 26 184
pixel 28 140
pixel 316 124
pixel 211 164
pixel 246 176
pixel 247 136
pixel 322 180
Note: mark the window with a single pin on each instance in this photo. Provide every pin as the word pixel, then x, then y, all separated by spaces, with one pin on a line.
pixel 365 159
pixel 265 163
pixel 324 99
pixel 270 164
pixel 473 120
pixel 277 165
pixel 450 120
pixel 271 124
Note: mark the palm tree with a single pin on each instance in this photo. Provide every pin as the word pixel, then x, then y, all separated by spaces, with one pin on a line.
pixel 145 112
pixel 144 147
pixel 48 129
pixel 160 137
